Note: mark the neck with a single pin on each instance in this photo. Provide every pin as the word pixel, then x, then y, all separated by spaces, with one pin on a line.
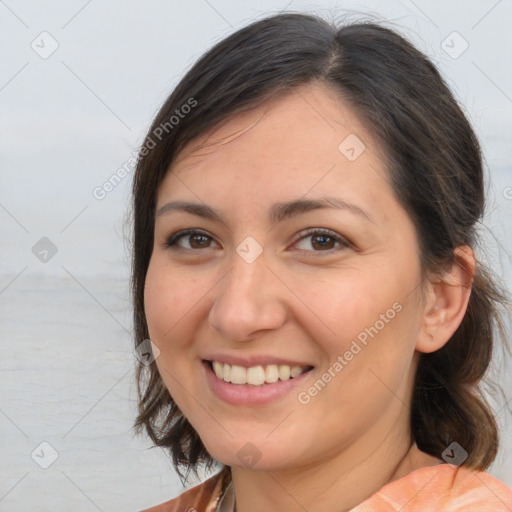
pixel 334 485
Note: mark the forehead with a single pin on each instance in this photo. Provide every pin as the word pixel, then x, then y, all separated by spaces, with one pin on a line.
pixel 310 116
pixel 305 141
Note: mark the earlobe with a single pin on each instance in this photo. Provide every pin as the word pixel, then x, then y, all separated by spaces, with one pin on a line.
pixel 446 301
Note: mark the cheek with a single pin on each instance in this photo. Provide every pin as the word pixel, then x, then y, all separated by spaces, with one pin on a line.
pixel 166 301
pixel 365 316
pixel 344 306
pixel 158 296
pixel 169 312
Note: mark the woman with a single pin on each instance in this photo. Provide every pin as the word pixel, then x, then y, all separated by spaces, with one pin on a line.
pixel 304 230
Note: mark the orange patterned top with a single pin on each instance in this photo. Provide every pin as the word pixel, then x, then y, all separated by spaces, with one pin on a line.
pixel 438 488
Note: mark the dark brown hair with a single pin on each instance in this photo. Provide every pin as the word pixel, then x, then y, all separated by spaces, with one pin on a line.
pixel 435 167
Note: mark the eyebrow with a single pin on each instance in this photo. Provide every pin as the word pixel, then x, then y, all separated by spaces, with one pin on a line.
pixel 277 213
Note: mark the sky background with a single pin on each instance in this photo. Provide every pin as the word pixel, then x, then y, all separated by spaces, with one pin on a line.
pixel 80 82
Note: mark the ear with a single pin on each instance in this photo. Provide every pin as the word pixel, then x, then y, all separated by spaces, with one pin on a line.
pixel 447 298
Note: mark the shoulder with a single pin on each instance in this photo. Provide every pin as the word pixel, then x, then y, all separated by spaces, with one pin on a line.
pixel 443 487
pixel 201 498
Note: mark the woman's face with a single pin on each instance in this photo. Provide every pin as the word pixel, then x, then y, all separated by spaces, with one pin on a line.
pixel 300 260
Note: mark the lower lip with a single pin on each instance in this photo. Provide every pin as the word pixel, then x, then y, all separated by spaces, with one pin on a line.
pixel 246 394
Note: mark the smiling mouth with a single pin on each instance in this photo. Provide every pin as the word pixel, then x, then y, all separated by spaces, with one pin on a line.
pixel 256 375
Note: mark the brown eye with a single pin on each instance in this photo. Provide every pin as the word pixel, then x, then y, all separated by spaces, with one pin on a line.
pixel 191 239
pixel 320 240
pixel 199 241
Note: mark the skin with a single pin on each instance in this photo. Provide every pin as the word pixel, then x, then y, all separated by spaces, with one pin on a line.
pixel 298 300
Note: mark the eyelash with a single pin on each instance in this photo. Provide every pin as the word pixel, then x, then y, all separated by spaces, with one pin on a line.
pixel 309 232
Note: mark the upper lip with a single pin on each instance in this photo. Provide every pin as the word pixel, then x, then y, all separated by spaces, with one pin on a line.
pixel 256 360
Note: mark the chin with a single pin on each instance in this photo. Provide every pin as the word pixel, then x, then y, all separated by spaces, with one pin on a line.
pixel 257 456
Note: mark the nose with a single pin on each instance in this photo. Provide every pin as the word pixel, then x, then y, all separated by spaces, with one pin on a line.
pixel 249 301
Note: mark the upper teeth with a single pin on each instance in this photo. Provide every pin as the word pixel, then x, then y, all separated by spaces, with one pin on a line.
pixel 256 375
